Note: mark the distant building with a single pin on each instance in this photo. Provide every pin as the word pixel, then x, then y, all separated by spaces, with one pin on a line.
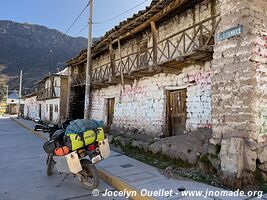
pixel 52 98
pixel 12 103
pixel 31 107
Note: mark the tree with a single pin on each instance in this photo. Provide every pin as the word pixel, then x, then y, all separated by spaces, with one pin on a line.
pixel 3 90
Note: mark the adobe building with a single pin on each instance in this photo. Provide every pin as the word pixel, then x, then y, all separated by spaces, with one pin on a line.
pixel 184 65
pixel 31 107
pixel 51 96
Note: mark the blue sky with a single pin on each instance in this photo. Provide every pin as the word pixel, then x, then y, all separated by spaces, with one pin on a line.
pixel 59 14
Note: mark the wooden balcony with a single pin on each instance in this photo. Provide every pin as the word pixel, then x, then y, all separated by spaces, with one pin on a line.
pixel 191 45
pixel 78 79
pixel 48 93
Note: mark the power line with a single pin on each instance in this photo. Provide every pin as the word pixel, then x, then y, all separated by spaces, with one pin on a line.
pixel 78 17
pixel 112 18
pixel 81 30
pixel 64 34
pixel 14 85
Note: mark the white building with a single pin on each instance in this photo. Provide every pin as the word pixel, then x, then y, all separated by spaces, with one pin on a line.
pixel 13 102
pixel 52 98
pixel 31 107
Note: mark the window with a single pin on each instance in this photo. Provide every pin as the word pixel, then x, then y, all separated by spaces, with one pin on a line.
pixel 55 83
pixel 46 108
pixel 56 108
pixel 143 46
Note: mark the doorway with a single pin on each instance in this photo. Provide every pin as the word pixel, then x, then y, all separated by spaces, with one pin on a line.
pixel 176 112
pixel 110 111
pixel 76 102
pixel 40 111
pixel 51 113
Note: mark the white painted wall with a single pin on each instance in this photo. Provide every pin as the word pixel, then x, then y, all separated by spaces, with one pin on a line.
pixel 143 105
pixel 15 101
pixel 31 108
pixel 46 110
pixel 57 83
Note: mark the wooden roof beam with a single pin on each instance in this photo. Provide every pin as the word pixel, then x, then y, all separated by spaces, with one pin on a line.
pixel 175 4
pixel 164 11
pixel 118 81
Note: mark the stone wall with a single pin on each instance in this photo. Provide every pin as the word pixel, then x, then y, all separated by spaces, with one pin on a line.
pixel 101 60
pixel 143 105
pixel 238 90
pixel 259 58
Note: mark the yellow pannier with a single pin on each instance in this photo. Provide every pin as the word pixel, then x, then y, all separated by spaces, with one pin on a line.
pixel 75 141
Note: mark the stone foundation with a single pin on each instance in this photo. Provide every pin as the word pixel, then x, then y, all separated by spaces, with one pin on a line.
pixel 191 150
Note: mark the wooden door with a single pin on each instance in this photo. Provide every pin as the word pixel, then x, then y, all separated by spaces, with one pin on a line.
pixel 40 111
pixel 176 111
pixel 51 113
pixel 110 111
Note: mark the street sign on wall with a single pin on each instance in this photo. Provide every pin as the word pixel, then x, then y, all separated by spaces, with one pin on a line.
pixel 229 33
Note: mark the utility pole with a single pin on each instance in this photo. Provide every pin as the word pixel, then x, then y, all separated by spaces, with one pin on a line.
pixel 88 65
pixel 20 88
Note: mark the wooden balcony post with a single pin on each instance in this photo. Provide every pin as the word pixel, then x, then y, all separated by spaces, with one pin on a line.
pixel 53 92
pixel 155 40
pixel 112 59
pixel 121 67
pixel 70 81
pixel 213 13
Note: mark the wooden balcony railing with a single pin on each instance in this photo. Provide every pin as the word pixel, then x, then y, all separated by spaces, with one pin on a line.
pixel 200 36
pixel 103 72
pixel 78 79
pixel 184 42
pixel 134 61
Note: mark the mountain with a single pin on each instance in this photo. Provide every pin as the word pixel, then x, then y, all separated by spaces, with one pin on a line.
pixel 35 49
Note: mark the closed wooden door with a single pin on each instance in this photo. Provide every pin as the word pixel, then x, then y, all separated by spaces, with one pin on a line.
pixel 51 112
pixel 176 109
pixel 110 111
